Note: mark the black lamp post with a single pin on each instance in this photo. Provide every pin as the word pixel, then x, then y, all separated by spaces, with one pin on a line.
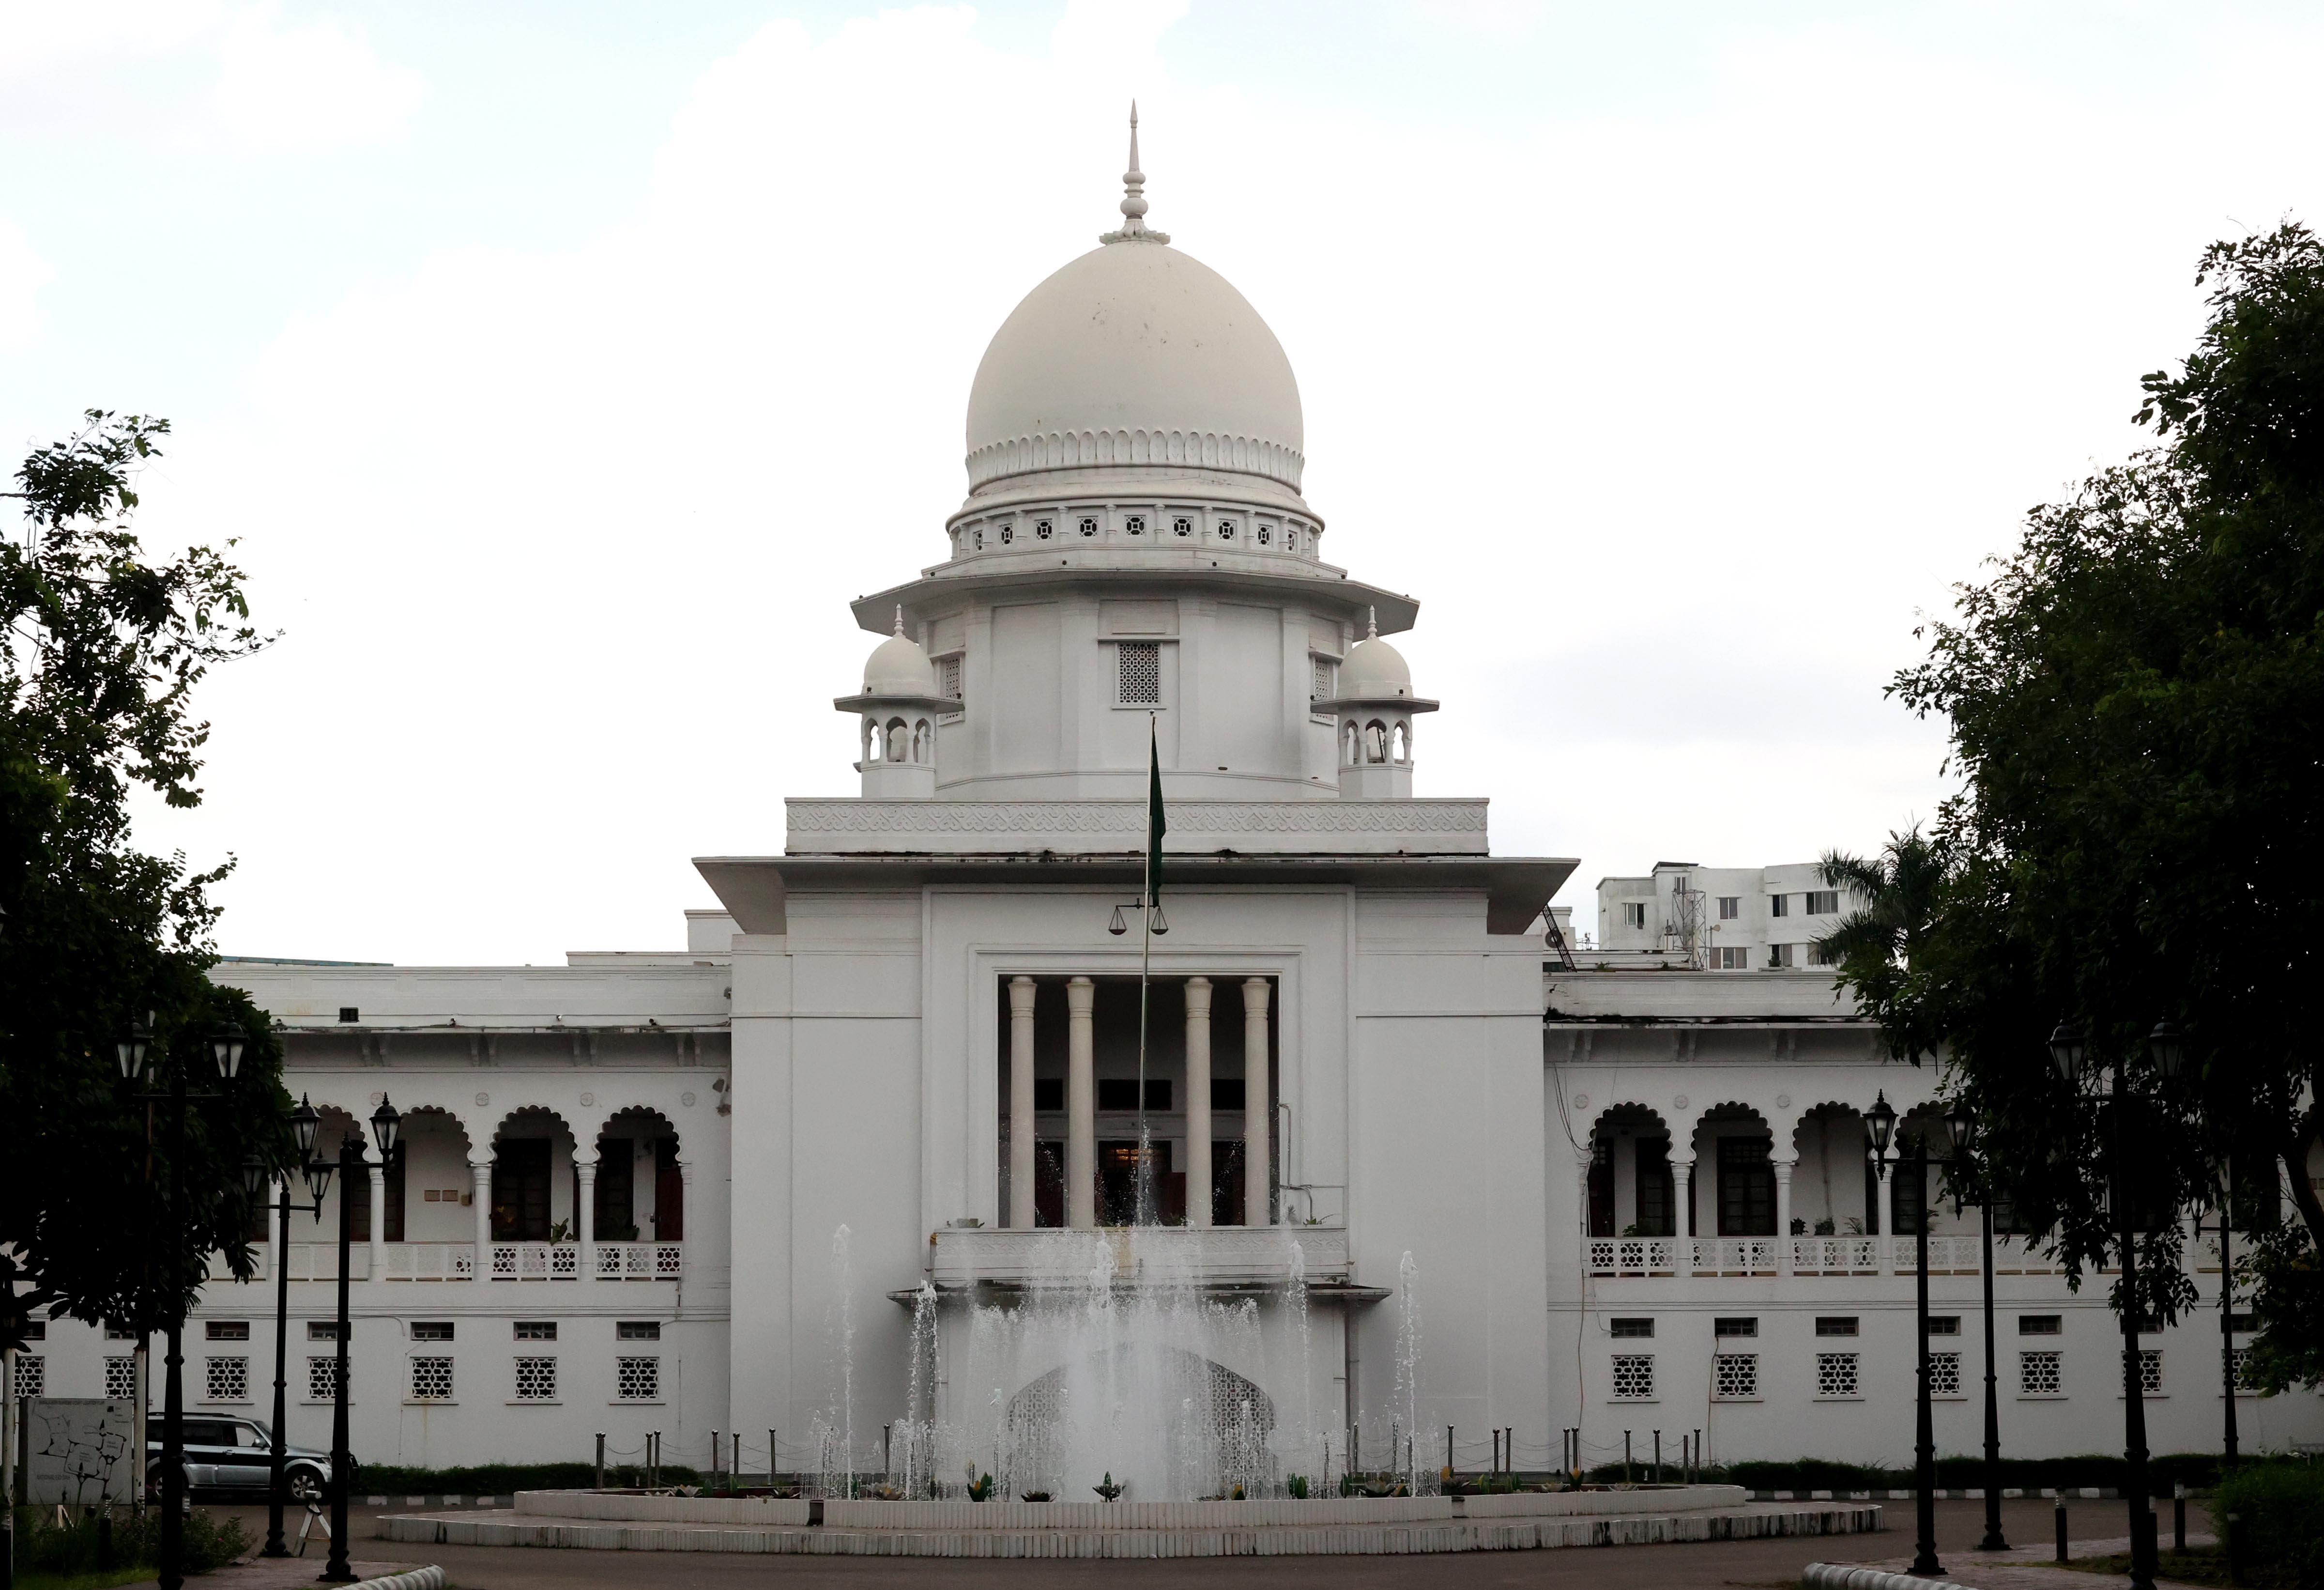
pixel 1961 1125
pixel 134 1052
pixel 1880 1124
pixel 2069 1050
pixel 385 1122
pixel 2167 1046
pixel 303 1124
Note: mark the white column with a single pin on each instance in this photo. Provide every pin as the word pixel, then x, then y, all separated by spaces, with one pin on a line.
pixel 1783 1216
pixel 1198 1101
pixel 1024 1162
pixel 378 1221
pixel 685 1212
pixel 585 1219
pixel 1080 1104
pixel 1683 1194
pixel 481 1171
pixel 1257 1110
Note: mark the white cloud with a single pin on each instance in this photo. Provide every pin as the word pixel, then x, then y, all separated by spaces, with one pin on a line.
pixel 311 85
pixel 38 35
pixel 22 274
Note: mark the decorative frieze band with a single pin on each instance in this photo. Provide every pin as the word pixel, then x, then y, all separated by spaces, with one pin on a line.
pixel 1196 826
pixel 1074 449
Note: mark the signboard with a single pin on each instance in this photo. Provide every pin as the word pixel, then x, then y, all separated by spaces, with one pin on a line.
pixel 79 1450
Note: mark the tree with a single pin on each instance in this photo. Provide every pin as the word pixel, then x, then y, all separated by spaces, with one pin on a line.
pixel 101 649
pixel 2135 701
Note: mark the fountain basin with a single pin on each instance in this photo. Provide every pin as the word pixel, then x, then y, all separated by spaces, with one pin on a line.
pixel 1206 1257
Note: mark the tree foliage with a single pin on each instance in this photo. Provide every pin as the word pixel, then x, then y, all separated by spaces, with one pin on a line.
pixel 2136 700
pixel 101 649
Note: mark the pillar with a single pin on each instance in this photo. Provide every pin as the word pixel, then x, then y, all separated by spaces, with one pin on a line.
pixel 1258 1110
pixel 1080 1104
pixel 1198 1101
pixel 379 1221
pixel 1024 1159
pixel 690 1203
pixel 1783 1215
pixel 481 1171
pixel 1683 1194
pixel 585 1219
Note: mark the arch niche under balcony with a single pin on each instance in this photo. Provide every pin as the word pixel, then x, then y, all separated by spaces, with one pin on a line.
pixel 640 1191
pixel 1631 1189
pixel 534 1198
pixel 1835 1191
pixel 1735 1178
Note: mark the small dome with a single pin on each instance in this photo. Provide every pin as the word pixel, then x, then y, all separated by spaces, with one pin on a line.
pixel 1375 671
pixel 898 667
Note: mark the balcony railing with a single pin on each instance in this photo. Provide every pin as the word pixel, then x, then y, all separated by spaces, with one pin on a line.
pixel 641 1260
pixel 1950 1253
pixel 320 1262
pixel 536 1260
pixel 432 1261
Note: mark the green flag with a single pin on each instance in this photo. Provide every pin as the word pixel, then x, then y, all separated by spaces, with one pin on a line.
pixel 1156 825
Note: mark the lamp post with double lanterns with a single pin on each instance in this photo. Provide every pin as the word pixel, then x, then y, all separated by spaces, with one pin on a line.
pixel 305 1123
pixel 255 1172
pixel 134 1052
pixel 2115 1098
pixel 1880 1125
pixel 1961 1126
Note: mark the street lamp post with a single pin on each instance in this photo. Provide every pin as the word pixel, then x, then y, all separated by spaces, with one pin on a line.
pixel 2069 1050
pixel 1961 1127
pixel 385 1122
pixel 254 1173
pixel 1880 1124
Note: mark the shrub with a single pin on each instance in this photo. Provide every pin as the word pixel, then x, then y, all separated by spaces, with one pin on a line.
pixel 210 1542
pixel 2280 1509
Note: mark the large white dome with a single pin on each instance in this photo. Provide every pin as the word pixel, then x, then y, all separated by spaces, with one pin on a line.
pixel 1134 353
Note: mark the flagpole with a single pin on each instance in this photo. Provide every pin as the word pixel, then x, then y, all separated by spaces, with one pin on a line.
pixel 1145 1213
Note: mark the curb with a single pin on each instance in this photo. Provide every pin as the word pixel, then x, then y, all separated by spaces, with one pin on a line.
pixel 2047 1492
pixel 1836 1575
pixel 376 1501
pixel 427 1578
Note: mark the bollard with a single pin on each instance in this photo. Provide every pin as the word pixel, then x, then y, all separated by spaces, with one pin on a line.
pixel 2179 1517
pixel 2232 1526
pixel 601 1460
pixel 1698 1455
pixel 2061 1527
pixel 1626 1458
pixel 771 1464
pixel 1658 1458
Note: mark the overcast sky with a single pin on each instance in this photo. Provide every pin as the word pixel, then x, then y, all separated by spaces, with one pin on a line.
pixel 565 368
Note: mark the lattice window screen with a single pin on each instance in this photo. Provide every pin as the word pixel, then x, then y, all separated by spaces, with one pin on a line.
pixel 1944 1374
pixel 2150 1371
pixel 1836 1374
pixel 322 1380
pixel 1634 1375
pixel 1735 1376
pixel 535 1380
pixel 431 1380
pixel 2039 1374
pixel 32 1376
pixel 226 1380
pixel 121 1377
pixel 637 1380
pixel 1140 662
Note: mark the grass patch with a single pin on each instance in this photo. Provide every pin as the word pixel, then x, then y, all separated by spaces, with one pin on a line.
pixel 2205 1565
pixel 92 1580
pixel 48 1555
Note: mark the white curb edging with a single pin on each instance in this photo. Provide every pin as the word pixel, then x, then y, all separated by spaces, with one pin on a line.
pixel 1840 1575
pixel 430 1578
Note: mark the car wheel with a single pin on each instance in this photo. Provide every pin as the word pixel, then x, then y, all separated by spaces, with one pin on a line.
pixel 304 1484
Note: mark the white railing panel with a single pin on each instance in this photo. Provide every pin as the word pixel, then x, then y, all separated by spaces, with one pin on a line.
pixel 637 1260
pixel 1837 1256
pixel 536 1260
pixel 320 1262
pixel 1622 1256
pixel 1733 1255
pixel 432 1261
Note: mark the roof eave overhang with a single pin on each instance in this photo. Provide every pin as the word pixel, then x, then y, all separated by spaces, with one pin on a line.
pixel 928 596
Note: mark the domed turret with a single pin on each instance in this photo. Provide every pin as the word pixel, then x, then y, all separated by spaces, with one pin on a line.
pixel 900 706
pixel 1375 706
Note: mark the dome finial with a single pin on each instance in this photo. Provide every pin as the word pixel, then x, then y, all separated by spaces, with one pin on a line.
pixel 1371 624
pixel 1133 198
pixel 899 618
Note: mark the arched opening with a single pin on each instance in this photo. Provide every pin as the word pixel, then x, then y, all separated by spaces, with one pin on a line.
pixel 923 743
pixel 1835 1191
pixel 1350 744
pixel 871 746
pixel 1734 1144
pixel 1632 1191
pixel 1376 741
pixel 1403 749
pixel 899 741
pixel 641 1196
pixel 430 1190
pixel 534 1196
pixel 1216 1424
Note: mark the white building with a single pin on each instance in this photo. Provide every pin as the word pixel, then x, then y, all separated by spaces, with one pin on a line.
pixel 1721 919
pixel 675 1191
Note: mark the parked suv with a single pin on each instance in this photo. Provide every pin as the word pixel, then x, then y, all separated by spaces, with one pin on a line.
pixel 232 1454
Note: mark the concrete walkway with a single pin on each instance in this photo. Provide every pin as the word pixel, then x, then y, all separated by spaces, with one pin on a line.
pixel 2035 1568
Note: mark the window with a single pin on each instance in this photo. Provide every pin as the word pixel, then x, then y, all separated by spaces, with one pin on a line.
pixel 1634 1377
pixel 1043 530
pixel 322 1330
pixel 1226 1094
pixel 1731 906
pixel 322 1380
pixel 1181 527
pixel 1779 957
pixel 1944 1325
pixel 226 1380
pixel 1226 529
pixel 1007 534
pixel 1779 905
pixel 431 1380
pixel 1818 955
pixel 2150 1371
pixel 1735 1377
pixel 226 1330
pixel 948 678
pixel 1322 689
pixel 1908 1200
pixel 37 1330
pixel 1088 525
pixel 1139 673
pixel 1823 902
pixel 1135 524
pixel 2240 1324
pixel 2038 1374
pixel 431 1330
pixel 1266 534
pixel 118 1333
pixel 535 1380
pixel 976 539
pixel 1657 1191
pixel 1634 913
pixel 1730 957
pixel 637 1380
pixel 1836 1375
pixel 2040 1324
pixel 638 1330
pixel 1835 1325
pixel 1291 539
pixel 1633 1328
pixel 2239 1359
pixel 121 1379
pixel 348 1012
pixel 536 1330
pixel 1747 1325
pixel 1049 1093
pixel 1944 1374
pixel 31 1375
pixel 1746 1188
